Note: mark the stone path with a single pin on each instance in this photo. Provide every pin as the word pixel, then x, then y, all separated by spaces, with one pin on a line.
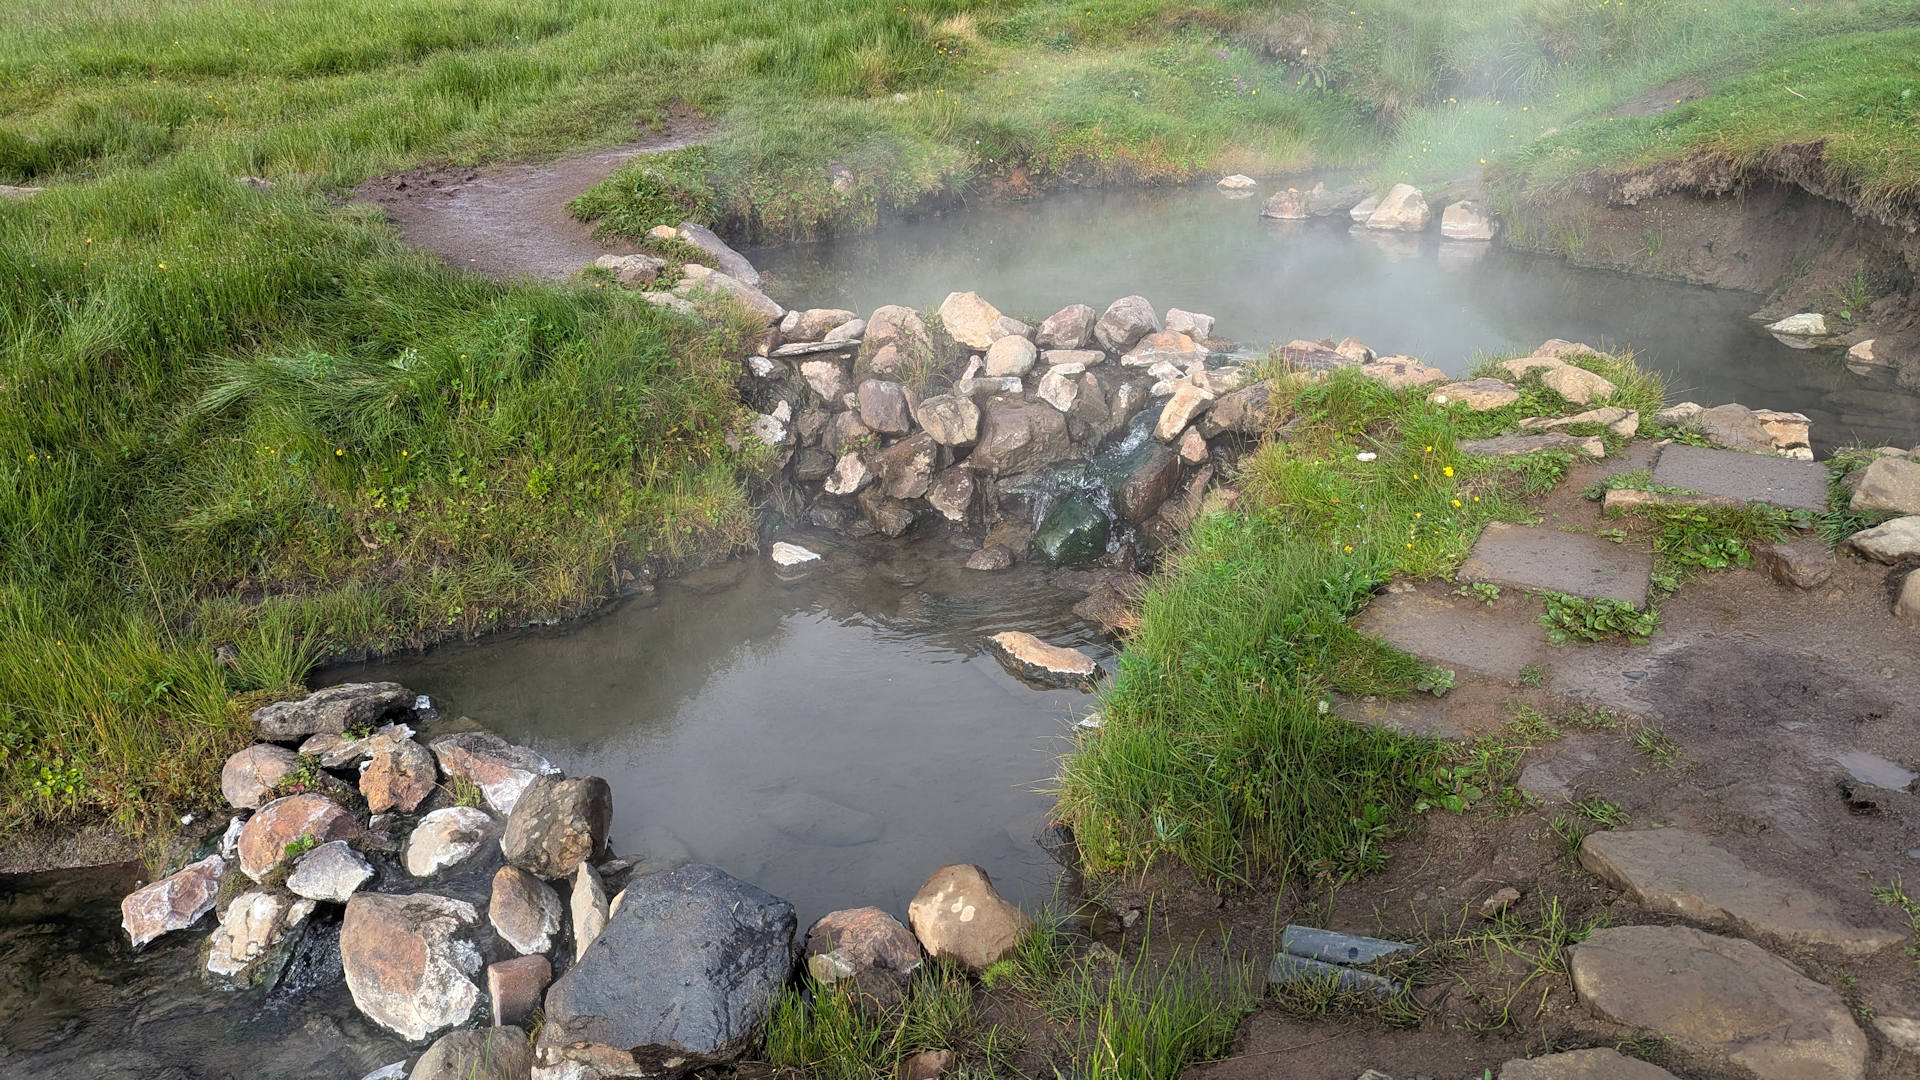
pixel 1784 482
pixel 1454 631
pixel 1578 564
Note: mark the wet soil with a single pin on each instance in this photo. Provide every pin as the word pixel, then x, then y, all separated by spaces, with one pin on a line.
pixel 511 221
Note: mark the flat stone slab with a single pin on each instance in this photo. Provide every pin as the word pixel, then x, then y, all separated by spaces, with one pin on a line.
pixel 1784 482
pixel 1678 872
pixel 1597 1064
pixel 1421 714
pixel 1573 563
pixel 1463 635
pixel 1723 999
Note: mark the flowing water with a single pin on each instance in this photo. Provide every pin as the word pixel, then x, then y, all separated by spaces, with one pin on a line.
pixel 1268 282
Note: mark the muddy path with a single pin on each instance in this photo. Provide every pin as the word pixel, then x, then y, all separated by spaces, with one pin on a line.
pixel 511 221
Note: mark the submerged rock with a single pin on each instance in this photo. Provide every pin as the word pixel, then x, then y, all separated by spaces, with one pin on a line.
pixel 501 770
pixel 958 914
pixel 558 825
pixel 1035 660
pixel 867 947
pixel 334 710
pixel 1076 530
pixel 175 902
pixel 410 960
pixel 683 975
pixel 784 554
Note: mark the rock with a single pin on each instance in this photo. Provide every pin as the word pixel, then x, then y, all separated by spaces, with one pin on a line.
pixel 515 986
pixel 864 946
pixel 589 907
pixel 901 327
pixel 1480 395
pixel 1889 542
pixel 958 914
pixel 1019 436
pixel 1681 415
pixel 890 517
pixel 1805 324
pixel 1678 872
pixel 818 324
pixel 632 271
pixel 498 768
pixel 1010 356
pixel 1578 385
pixel 175 902
pixel 994 557
pixel 849 475
pixel 951 494
pixel 1803 564
pixel 1069 328
pixel 1890 483
pixel 683 975
pixel 1060 386
pixel 395 1071
pixel 1863 354
pixel 1722 999
pixel 1125 322
pixel 334 710
pixel 845 432
pixel 906 468
pixel 1734 427
pixel 1237 182
pixel 399 774
pixel 699 279
pixel 1074 531
pixel 826 378
pixel 264 838
pixel 248 948
pixel 445 838
pixel 1151 478
pixel 1792 432
pixel 1288 205
pixel 1402 373
pixel 1082 358
pixel 339 751
pixel 332 872
pixel 729 261
pixel 19 193
pixel 250 775
pixel 1165 347
pixel 1193 447
pixel 1622 422
pixel 883 407
pixel 1036 661
pixel 1361 211
pixel 1598 1064
pixel 1191 323
pixel 524 910
pixel 850 331
pixel 1323 201
pixel 1466 221
pixel 1403 209
pixel 1521 366
pixel 950 419
pixel 1496 905
pixel 785 555
pixel 1246 411
pixel 1902 1031
pixel 410 960
pixel 1188 401
pixel 495 1053
pixel 969 319
pixel 1513 445
pixel 558 825
pixel 677 305
pixel 1907 605
pixel 926 1065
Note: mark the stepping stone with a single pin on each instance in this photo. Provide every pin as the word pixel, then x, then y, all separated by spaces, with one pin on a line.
pixel 1678 872
pixel 1422 715
pixel 1597 1064
pixel 1464 635
pixel 1515 445
pixel 1574 563
pixel 1784 482
pixel 1726 1000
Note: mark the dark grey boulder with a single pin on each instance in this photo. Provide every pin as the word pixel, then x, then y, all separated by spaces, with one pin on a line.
pixel 333 710
pixel 557 825
pixel 1151 476
pixel 683 976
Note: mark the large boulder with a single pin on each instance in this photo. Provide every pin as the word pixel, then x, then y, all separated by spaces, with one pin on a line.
pixel 1721 999
pixel 497 1053
pixel 250 775
pixel 250 946
pixel 959 915
pixel 524 910
pixel 399 773
pixel 1403 209
pixel 1075 531
pixel 332 872
pixel 1125 322
pixel 951 419
pixel 683 975
pixel 446 837
pixel 1069 328
pixel 1019 436
pixel 883 407
pixel 1152 474
pixel 969 319
pixel 410 960
pixel 558 825
pixel 866 947
pixel 266 835
pixel 730 262
pixel 1890 483
pixel 498 768
pixel 334 710
pixel 175 902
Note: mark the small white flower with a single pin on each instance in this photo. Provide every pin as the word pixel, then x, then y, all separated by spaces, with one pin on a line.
pixel 1365 455
pixel 1439 399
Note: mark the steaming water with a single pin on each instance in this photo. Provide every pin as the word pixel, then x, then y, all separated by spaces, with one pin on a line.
pixel 1269 282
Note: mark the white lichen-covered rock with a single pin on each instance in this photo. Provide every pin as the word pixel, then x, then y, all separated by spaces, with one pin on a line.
pixel 254 924
pixel 332 872
pixel 849 475
pixel 1864 357
pixel 445 837
pixel 784 554
pixel 959 915
pixel 1805 324
pixel 1403 209
pixel 175 902
pixel 410 961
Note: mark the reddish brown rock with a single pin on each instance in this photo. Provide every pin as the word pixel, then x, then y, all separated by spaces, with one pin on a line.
pixel 864 946
pixel 410 960
pixel 264 839
pixel 174 902
pixel 515 986
pixel 498 768
pixel 399 775
pixel 250 775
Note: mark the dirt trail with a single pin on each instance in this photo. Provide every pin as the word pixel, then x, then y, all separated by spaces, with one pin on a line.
pixel 511 221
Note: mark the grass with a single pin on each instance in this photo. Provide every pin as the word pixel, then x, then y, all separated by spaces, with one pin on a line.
pixel 1219 749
